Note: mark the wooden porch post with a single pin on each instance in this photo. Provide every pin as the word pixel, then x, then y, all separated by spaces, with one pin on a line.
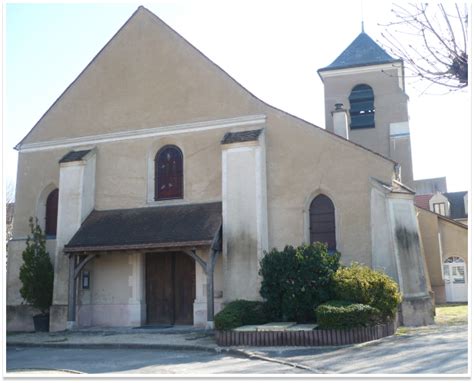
pixel 74 271
pixel 71 309
pixel 208 268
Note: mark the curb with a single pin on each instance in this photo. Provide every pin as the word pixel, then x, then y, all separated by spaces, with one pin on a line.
pixel 39 369
pixel 115 345
pixel 217 350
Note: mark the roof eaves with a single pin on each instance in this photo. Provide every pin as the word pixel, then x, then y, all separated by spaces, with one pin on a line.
pixel 144 246
pixel 444 218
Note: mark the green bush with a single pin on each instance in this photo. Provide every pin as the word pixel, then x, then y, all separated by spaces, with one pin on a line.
pixel 360 284
pixel 343 314
pixel 36 273
pixel 296 280
pixel 240 313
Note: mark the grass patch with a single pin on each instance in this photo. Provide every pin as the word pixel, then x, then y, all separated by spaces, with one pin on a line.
pixel 451 314
pixel 402 331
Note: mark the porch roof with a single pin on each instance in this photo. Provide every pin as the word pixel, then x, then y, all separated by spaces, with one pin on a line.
pixel 148 228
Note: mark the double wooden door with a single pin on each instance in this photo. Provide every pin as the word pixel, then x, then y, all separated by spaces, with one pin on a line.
pixel 170 288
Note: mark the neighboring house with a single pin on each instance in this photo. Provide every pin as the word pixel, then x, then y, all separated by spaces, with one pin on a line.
pixel 451 205
pixel 431 185
pixel 443 219
pixel 160 182
pixel 445 244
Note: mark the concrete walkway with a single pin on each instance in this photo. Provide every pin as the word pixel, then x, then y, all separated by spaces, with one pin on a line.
pixel 178 337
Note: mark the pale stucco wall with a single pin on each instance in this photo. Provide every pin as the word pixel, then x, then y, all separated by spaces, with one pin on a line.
pixel 429 230
pixel 391 106
pixel 121 179
pixel 441 239
pixel 454 240
pixel 303 161
pixel 146 76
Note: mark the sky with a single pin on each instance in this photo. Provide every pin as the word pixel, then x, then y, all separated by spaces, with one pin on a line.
pixel 273 48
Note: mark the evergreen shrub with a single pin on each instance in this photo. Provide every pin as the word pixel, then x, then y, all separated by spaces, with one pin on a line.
pixel 36 273
pixel 360 284
pixel 296 280
pixel 343 314
pixel 240 313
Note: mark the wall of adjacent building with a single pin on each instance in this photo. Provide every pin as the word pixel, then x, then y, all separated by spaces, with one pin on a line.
pixel 441 239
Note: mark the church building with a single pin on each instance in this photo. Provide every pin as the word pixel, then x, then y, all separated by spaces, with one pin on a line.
pixel 160 182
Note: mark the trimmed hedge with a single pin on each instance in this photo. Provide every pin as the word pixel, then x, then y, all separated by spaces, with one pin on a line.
pixel 240 313
pixel 296 280
pixel 343 314
pixel 360 284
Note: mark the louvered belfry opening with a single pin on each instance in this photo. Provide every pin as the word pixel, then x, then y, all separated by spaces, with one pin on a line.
pixel 362 107
pixel 323 221
pixel 169 173
pixel 52 213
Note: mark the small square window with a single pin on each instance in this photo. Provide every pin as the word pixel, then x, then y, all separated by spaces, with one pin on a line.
pixel 440 208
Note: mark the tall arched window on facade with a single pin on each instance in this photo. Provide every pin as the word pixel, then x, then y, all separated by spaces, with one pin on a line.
pixel 322 221
pixel 51 215
pixel 362 107
pixel 168 173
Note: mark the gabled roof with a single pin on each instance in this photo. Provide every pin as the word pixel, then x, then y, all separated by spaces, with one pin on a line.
pixel 456 203
pixel 362 51
pixel 148 228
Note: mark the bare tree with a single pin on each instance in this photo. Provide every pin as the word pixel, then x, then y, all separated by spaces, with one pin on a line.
pixel 432 41
pixel 10 205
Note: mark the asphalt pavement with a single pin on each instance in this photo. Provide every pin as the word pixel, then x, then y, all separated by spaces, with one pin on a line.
pixel 425 350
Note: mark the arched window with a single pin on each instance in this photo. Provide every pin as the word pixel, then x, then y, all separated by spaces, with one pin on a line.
pixel 168 173
pixel 52 213
pixel 322 221
pixel 362 107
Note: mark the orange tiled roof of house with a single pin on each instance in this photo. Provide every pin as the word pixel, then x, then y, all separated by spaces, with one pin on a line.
pixel 423 201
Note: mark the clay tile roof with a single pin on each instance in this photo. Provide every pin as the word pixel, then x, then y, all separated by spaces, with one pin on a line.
pixel 423 201
pixel 74 156
pixel 362 51
pixel 147 228
pixel 249 135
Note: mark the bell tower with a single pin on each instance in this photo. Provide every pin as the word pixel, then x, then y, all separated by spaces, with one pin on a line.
pixel 370 85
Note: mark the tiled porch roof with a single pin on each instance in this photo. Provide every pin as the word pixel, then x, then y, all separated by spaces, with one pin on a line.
pixel 148 228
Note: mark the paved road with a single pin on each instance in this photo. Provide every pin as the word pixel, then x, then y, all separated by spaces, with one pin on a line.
pixel 438 350
pixel 133 361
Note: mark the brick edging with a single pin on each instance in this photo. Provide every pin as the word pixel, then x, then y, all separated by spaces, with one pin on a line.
pixel 305 338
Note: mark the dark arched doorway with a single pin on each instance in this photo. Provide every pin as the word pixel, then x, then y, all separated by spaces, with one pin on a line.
pixel 51 220
pixel 322 221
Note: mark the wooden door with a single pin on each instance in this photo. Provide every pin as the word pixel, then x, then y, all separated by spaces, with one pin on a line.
pixel 170 288
pixel 184 288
